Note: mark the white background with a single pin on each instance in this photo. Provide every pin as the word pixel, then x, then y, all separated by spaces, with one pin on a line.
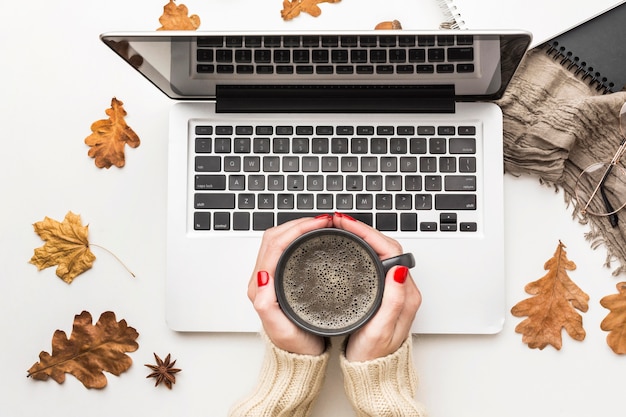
pixel 58 78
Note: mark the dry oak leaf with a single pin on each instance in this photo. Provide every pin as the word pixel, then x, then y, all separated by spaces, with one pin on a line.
pixel 176 18
pixel 293 8
pixel 90 350
pixel 553 307
pixel 163 371
pixel 109 136
pixel 67 246
pixel 615 321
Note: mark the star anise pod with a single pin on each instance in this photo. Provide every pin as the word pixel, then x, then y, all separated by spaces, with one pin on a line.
pixel 163 371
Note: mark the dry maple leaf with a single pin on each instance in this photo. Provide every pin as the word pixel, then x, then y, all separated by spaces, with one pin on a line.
pixel 163 371
pixel 615 321
pixel 553 306
pixel 67 246
pixel 293 8
pixel 90 350
pixel 176 18
pixel 109 136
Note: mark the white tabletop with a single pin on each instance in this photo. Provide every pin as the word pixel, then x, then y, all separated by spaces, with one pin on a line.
pixel 59 78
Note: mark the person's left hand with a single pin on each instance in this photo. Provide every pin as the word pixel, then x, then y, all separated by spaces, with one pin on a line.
pixel 282 332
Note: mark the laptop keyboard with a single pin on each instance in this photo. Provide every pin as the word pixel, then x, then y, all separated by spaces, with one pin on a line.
pixel 335 55
pixel 404 178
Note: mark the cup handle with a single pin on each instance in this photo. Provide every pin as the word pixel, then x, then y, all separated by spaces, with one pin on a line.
pixel 406 259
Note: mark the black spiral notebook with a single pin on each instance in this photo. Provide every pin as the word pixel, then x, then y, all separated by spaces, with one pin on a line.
pixel 595 50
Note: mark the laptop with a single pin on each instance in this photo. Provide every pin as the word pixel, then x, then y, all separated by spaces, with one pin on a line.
pixel 394 128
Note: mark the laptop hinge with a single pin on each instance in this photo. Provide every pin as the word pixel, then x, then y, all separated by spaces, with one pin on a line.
pixel 335 99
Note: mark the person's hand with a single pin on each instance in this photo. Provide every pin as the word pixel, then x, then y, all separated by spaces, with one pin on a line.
pixel 391 325
pixel 282 332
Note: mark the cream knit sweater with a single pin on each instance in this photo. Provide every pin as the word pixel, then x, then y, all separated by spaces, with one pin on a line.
pixel 290 383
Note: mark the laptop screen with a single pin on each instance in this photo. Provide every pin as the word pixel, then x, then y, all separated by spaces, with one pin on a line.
pixel 469 65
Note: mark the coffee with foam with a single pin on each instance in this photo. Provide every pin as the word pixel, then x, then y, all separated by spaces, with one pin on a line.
pixel 331 281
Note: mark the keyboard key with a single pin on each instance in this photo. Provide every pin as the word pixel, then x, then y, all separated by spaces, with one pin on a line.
pixel 221 221
pixel 265 201
pixel 203 145
pixel 344 202
pixel 468 227
pixel 262 221
pixel 246 201
pixel 467 164
pixel 463 130
pixel 455 202
pixel 365 130
pixel 345 130
pixel 319 145
pixel 404 202
pixel 208 163
pixel 384 202
pixel 204 130
pixel 423 202
pixel 426 130
pixel 214 201
pixel 428 226
pixel 460 183
pixel 364 201
pixel 447 164
pixel 285 201
pixel 408 222
pixel 202 220
pixel 462 145
pixel 461 54
pixel 210 182
pixel 241 221
pixel 386 222
pixel 284 130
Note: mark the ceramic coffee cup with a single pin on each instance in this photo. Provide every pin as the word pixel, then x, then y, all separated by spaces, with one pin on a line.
pixel 330 282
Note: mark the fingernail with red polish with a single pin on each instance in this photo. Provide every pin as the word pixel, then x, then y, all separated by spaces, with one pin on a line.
pixel 325 216
pixel 345 216
pixel 400 274
pixel 262 278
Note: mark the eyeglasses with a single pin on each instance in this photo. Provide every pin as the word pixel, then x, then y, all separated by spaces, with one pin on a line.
pixel 601 187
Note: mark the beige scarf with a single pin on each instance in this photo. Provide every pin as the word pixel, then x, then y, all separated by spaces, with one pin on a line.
pixel 555 125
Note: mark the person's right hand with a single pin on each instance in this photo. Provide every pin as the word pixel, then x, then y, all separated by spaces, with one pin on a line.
pixel 283 333
pixel 391 325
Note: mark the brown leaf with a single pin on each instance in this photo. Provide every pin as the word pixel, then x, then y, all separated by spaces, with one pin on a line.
pixel 176 18
pixel 293 8
pixel 389 25
pixel 67 246
pixel 553 306
pixel 89 351
pixel 109 136
pixel 615 321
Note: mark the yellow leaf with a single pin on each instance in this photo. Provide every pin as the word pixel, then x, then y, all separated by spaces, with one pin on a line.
pixel 90 350
pixel 109 136
pixel 66 245
pixel 615 321
pixel 176 18
pixel 553 306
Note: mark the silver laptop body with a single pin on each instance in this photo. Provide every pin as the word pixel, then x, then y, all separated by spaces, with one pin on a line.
pixel 394 128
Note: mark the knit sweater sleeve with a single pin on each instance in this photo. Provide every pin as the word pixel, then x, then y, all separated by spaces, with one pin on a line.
pixel 288 385
pixel 383 387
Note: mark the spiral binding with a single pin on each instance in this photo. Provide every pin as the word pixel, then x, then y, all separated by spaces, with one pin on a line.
pixel 451 14
pixel 579 68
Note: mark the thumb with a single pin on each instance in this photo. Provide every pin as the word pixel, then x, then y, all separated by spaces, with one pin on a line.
pixel 265 302
pixel 394 294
